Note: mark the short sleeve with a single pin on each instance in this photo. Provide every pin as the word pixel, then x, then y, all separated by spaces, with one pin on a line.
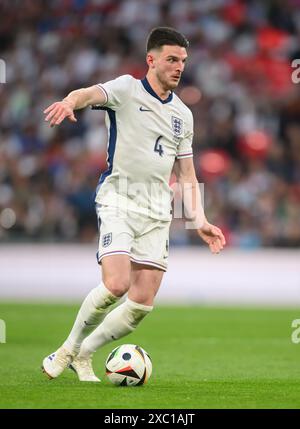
pixel 184 149
pixel 117 91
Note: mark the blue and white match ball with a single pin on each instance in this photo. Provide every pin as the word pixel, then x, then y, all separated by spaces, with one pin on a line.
pixel 128 365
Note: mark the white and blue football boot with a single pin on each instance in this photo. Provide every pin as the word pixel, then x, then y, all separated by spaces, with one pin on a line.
pixel 57 362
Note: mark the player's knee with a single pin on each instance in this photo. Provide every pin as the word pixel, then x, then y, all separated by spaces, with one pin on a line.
pixel 117 286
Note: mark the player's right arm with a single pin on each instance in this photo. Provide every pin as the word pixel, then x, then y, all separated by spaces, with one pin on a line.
pixel 77 99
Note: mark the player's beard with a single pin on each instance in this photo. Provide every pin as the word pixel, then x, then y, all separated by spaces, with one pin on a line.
pixel 167 82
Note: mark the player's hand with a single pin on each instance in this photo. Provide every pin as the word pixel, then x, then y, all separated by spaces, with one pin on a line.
pixel 58 111
pixel 213 236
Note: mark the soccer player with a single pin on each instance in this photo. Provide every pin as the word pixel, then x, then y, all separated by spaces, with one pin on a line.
pixel 150 133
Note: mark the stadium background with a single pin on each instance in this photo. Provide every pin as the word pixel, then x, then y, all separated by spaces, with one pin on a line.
pixel 237 83
pixel 247 116
pixel 246 110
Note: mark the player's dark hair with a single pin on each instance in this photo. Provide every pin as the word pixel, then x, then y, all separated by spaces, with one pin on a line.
pixel 160 36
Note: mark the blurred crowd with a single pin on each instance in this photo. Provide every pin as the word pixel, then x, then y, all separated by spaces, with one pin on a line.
pixel 238 83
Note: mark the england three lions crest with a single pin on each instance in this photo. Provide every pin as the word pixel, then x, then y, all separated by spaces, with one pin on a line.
pixel 177 126
pixel 107 239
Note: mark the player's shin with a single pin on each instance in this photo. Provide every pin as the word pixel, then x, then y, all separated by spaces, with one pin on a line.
pixel 118 323
pixel 92 311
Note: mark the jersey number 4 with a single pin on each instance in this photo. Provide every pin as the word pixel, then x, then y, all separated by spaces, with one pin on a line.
pixel 158 147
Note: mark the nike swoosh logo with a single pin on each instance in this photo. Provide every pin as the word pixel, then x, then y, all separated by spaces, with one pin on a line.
pixel 144 110
pixel 88 324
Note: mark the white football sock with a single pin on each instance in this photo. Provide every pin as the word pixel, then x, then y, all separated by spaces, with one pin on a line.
pixel 119 322
pixel 92 311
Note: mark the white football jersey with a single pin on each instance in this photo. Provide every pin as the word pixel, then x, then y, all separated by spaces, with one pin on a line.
pixel 145 136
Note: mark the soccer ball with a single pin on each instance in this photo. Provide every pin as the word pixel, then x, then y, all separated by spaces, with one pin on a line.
pixel 128 365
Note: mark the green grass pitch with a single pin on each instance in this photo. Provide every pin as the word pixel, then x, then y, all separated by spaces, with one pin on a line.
pixel 202 358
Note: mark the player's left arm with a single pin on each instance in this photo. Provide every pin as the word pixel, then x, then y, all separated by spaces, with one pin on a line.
pixel 186 176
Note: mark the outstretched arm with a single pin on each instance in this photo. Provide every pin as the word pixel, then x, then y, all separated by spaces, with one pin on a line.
pixel 186 176
pixel 77 99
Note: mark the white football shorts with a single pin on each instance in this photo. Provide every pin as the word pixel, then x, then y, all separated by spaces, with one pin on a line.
pixel 144 239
